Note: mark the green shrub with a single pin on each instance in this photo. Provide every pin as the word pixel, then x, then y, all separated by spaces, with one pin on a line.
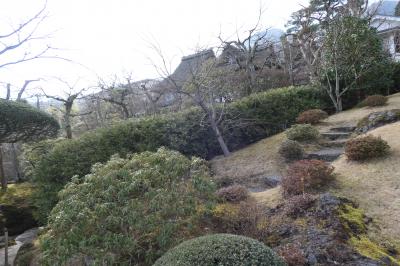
pixel 234 193
pixel 247 120
pixel 243 218
pixel 306 175
pixel 363 148
pixel 220 249
pixel 373 101
pixel 313 116
pixel 128 211
pixel 303 132
pixel 291 150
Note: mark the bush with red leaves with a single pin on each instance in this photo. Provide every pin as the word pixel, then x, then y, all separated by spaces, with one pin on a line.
pixel 292 255
pixel 297 205
pixel 374 100
pixel 306 175
pixel 363 148
pixel 312 116
pixel 234 193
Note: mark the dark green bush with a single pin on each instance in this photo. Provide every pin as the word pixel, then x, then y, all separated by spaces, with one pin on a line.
pixel 363 148
pixel 373 101
pixel 291 150
pixel 220 249
pixel 302 132
pixel 129 211
pixel 247 120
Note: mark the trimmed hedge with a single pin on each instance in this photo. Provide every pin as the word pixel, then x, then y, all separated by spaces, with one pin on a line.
pixel 21 122
pixel 247 120
pixel 220 249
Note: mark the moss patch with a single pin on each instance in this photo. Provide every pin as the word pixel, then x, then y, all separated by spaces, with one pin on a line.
pixel 17 195
pixel 16 208
pixel 353 221
pixel 369 249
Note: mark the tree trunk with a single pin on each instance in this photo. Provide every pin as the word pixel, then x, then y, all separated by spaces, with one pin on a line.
pixel 220 139
pixel 3 178
pixel 67 120
pixel 338 105
pixel 125 111
pixel 15 161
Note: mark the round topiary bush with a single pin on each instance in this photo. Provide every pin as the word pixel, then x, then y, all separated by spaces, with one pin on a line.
pixel 362 148
pixel 128 211
pixel 313 116
pixel 291 150
pixel 220 249
pixel 302 132
pixel 374 100
pixel 234 193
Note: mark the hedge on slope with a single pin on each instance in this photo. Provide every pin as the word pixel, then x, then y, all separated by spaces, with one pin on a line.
pixel 128 211
pixel 220 249
pixel 246 121
pixel 22 122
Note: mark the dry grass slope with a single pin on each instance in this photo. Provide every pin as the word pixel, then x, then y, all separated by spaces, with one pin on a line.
pixel 375 184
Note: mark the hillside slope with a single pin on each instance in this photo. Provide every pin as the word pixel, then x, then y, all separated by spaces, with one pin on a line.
pixel 374 185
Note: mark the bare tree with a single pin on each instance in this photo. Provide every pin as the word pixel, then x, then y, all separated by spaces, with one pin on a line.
pixel 243 50
pixel 203 87
pixel 68 101
pixel 15 44
pixel 117 94
pixel 153 93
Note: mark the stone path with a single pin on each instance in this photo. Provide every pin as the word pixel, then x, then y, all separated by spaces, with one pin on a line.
pixel 334 142
pixel 27 237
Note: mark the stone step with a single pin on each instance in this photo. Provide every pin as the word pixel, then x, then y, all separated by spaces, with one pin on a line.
pixel 343 129
pixel 334 143
pixel 328 155
pixel 336 135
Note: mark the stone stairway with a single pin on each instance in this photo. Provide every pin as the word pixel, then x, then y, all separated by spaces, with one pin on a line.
pixel 333 143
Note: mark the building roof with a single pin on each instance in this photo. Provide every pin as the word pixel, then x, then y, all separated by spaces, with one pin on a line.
pixel 191 64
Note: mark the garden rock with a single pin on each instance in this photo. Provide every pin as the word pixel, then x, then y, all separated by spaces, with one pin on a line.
pixel 378 119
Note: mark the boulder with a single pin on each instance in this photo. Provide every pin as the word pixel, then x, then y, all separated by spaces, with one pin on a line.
pixel 378 119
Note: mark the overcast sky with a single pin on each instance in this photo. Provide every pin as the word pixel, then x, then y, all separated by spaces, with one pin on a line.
pixel 110 37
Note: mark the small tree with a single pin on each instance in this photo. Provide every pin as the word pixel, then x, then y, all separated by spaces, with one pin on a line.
pixel 71 96
pixel 353 52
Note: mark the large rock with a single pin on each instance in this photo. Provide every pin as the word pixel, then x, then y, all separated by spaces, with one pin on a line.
pixel 378 119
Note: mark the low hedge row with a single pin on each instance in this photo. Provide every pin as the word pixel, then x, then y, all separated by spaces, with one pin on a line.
pixel 246 121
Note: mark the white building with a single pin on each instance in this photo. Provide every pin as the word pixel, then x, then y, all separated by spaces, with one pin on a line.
pixel 387 22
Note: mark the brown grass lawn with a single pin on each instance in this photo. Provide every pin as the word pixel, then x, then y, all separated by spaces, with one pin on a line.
pixel 375 184
pixel 351 117
pixel 256 160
